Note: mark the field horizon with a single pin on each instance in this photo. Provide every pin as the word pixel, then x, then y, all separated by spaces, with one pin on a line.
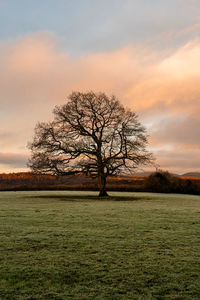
pixel 27 181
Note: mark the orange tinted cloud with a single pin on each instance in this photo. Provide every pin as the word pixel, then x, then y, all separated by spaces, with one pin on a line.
pixel 37 75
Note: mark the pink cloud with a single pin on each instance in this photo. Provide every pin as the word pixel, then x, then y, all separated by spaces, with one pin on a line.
pixel 37 75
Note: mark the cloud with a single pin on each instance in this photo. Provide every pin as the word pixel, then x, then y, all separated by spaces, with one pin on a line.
pixel 36 75
pixel 16 160
pixel 179 160
pixel 184 63
pixel 171 81
pixel 183 130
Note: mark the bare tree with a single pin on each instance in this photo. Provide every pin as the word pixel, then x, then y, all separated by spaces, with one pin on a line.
pixel 92 134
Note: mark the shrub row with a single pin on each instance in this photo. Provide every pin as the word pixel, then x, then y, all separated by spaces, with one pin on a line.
pixel 164 182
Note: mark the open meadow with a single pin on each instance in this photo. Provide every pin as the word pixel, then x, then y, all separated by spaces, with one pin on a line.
pixel 73 245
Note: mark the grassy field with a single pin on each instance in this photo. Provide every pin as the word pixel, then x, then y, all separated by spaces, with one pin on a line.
pixel 68 245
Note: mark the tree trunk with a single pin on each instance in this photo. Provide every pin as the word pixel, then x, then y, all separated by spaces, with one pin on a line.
pixel 102 185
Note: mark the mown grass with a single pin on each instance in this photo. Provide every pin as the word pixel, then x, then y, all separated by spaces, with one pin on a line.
pixel 68 245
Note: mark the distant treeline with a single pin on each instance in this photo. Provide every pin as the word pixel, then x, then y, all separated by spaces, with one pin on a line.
pixel 30 181
pixel 160 182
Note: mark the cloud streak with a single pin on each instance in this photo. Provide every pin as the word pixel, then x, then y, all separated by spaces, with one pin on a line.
pixel 14 160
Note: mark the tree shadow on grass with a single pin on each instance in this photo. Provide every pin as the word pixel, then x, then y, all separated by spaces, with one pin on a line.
pixel 78 198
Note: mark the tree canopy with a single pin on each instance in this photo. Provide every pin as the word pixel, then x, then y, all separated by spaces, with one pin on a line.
pixel 92 134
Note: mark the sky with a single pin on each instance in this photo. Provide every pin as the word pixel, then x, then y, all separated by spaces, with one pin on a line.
pixel 145 52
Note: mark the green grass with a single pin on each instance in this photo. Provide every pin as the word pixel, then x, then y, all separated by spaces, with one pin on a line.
pixel 68 245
